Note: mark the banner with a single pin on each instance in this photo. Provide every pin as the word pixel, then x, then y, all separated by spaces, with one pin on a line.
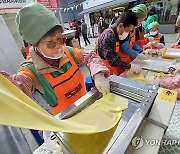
pixel 50 4
pixel 13 4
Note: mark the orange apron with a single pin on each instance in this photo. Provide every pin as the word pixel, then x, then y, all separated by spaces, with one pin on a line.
pixel 68 87
pixel 124 57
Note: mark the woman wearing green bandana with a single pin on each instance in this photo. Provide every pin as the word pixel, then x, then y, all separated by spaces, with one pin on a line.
pixel 157 38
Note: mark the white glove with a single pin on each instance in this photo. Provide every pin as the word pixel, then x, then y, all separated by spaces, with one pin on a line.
pixel 141 56
pixel 150 39
pixel 101 83
pixel 135 68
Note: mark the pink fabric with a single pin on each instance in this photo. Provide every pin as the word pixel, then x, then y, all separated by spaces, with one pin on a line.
pixel 22 82
pixel 170 82
pixel 94 63
pixel 175 45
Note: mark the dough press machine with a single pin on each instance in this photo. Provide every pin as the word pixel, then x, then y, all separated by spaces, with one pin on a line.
pixel 141 97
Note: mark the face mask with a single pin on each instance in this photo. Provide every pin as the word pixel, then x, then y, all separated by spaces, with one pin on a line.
pixel 58 55
pixel 123 36
pixel 153 33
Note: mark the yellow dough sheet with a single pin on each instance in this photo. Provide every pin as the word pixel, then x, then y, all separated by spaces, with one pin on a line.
pixel 138 77
pixel 17 109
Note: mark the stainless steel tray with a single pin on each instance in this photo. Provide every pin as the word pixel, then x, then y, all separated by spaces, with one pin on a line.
pixel 156 64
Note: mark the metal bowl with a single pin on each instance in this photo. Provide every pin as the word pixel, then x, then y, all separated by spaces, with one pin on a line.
pixel 69 34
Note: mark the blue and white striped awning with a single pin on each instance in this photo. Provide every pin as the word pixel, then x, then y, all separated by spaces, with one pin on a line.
pixel 105 6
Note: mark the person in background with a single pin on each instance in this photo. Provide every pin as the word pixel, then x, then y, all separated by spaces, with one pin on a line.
pixel 168 8
pixel 130 48
pixel 84 32
pixel 108 44
pixel 158 38
pixel 79 24
pixel 52 69
pixel 177 30
pixel 116 16
pixel 152 16
pixel 102 25
pixel 96 32
pixel 78 32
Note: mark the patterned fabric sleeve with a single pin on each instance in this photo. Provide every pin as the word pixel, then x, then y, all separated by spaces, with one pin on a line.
pixel 91 60
pixel 21 81
pixel 107 45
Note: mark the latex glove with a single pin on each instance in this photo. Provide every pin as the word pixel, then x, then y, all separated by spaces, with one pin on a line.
pixel 135 68
pixel 141 56
pixel 101 83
